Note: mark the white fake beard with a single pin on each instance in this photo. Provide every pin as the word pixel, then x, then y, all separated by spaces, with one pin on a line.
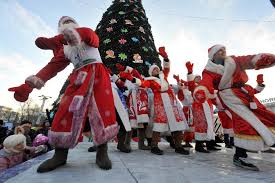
pixel 65 26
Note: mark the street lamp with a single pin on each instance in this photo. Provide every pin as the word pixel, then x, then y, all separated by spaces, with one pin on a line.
pixel 43 98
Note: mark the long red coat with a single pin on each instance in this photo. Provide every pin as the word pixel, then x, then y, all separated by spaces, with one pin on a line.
pixel 137 102
pixel 203 117
pixel 253 127
pixel 89 93
pixel 167 116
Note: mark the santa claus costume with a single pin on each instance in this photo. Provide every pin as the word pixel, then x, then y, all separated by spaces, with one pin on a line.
pixel 167 116
pixel 203 117
pixel 137 102
pixel 253 124
pixel 122 114
pixel 85 96
pixel 185 96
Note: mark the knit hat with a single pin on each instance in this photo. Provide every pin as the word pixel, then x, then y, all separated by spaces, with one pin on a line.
pixel 213 50
pixel 152 68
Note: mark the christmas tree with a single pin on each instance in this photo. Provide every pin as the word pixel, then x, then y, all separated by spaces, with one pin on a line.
pixel 126 37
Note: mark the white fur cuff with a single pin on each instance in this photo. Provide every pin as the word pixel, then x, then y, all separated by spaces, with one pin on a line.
pixel 35 82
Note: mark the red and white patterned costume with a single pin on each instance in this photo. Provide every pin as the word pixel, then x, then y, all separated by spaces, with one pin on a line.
pixel 253 124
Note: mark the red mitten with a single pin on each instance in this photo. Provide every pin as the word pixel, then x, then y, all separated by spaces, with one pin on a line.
pixel 200 96
pixel 260 79
pixel 21 93
pixel 264 62
pixel 189 66
pixel 162 52
pixel 177 78
pixel 120 67
pixel 183 82
pixel 126 75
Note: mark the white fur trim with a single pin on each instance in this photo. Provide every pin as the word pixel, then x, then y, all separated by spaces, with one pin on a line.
pixel 201 136
pixel 152 68
pixel 138 82
pixel 123 114
pixel 237 106
pixel 253 105
pixel 76 103
pixel 229 69
pixel 35 82
pixel 208 113
pixel 190 77
pixel 215 68
pixel 200 87
pixel 260 88
pixel 128 69
pixel 174 125
pixel 166 64
pixel 11 141
pixel 160 127
pixel 229 131
pixel 214 49
pixel 114 78
pixel 256 58
pixel 80 78
pixel 252 145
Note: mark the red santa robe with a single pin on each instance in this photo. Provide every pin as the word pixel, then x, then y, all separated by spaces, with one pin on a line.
pixel 167 116
pixel 203 117
pixel 186 99
pixel 137 102
pixel 253 124
pixel 89 93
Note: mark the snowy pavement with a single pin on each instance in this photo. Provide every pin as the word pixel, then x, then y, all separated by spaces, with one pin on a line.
pixel 144 167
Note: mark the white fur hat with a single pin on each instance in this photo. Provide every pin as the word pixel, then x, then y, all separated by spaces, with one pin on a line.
pixel 152 68
pixel 213 50
pixel 11 141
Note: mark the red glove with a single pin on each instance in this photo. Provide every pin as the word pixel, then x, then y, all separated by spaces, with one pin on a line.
pixel 260 79
pixel 162 52
pixel 126 75
pixel 264 62
pixel 183 82
pixel 120 67
pixel 200 96
pixel 21 93
pixel 189 66
pixel 177 78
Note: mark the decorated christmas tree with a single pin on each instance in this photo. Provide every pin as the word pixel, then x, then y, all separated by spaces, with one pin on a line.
pixel 126 37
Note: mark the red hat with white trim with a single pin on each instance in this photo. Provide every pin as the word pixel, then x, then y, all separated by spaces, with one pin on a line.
pixel 213 50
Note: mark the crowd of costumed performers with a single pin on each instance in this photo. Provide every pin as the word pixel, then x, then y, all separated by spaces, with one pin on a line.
pixel 114 105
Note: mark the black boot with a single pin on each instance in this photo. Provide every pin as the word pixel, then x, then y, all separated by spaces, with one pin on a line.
pixel 92 149
pixel 232 141
pixel 199 147
pixel 178 137
pixel 121 145
pixel 128 140
pixel 242 162
pixel 226 141
pixel 102 158
pixel 149 141
pixel 141 136
pixel 210 145
pixel 240 152
pixel 171 142
pixel 187 144
pixel 59 158
pixel 154 145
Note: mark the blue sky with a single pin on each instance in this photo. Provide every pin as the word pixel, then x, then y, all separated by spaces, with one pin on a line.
pixel 174 24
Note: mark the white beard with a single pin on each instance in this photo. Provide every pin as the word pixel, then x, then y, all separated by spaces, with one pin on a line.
pixel 65 26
